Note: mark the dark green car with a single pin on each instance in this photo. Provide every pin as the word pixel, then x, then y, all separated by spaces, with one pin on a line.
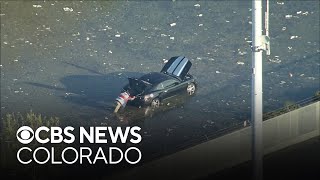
pixel 154 88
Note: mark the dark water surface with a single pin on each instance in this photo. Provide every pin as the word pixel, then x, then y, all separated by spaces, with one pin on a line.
pixel 71 58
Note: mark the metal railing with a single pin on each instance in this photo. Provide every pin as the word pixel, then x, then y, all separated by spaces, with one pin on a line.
pixel 234 127
pixel 291 107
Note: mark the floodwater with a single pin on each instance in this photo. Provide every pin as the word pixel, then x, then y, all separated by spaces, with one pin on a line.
pixel 71 58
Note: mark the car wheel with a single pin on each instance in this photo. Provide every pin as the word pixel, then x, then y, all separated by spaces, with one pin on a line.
pixel 155 103
pixel 191 89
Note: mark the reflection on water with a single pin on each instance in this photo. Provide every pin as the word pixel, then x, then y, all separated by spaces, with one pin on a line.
pixel 131 114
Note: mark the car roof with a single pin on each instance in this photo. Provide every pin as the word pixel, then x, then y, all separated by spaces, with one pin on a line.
pixel 155 78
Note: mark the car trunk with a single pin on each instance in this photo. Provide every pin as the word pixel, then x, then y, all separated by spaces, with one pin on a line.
pixel 177 66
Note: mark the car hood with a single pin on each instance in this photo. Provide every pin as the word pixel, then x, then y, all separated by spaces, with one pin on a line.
pixel 177 66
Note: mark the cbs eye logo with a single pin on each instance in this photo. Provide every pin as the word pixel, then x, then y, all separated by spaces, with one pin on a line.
pixel 25 134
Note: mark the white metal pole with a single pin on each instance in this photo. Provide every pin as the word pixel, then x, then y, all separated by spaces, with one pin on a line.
pixel 256 105
pixel 266 23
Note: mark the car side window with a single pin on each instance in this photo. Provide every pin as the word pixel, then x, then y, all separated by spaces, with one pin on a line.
pixel 169 83
pixel 166 84
pixel 160 86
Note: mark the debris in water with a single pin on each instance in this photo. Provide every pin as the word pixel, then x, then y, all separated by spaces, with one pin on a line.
pixel 210 122
pixel 110 51
pixel 76 34
pixel 241 53
pixel 37 6
pixel 311 78
pixel 275 60
pixel 218 72
pixel 67 9
pixel 282 82
pixel 288 16
pixel 168 131
pixel 173 24
pixel 290 74
pixel 240 63
pixel 200 24
pixel 197 5
pixel 284 28
pixel 294 37
pixel 117 35
pixel 108 27
pixel 172 38
pixel 280 3
pixel 200 15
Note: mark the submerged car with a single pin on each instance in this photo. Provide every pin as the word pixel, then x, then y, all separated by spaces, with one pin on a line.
pixel 156 87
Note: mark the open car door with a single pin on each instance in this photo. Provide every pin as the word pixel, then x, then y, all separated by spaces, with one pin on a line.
pixel 137 86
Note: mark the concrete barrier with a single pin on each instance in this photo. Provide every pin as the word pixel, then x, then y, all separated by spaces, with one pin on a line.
pixel 231 149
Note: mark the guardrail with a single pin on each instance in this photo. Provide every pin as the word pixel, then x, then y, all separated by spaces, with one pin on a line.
pixel 232 148
pixel 235 127
pixel 291 107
